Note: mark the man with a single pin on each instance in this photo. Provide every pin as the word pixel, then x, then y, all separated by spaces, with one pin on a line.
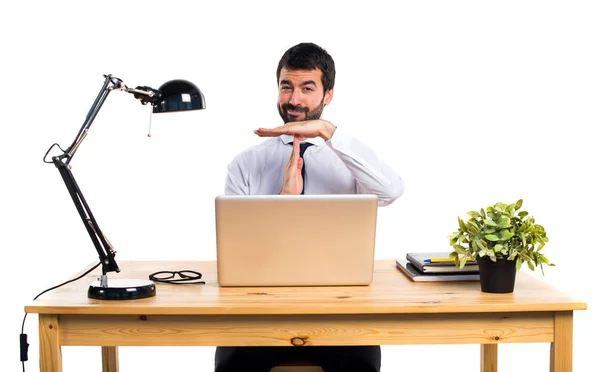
pixel 307 155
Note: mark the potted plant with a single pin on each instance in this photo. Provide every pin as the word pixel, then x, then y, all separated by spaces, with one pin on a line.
pixel 500 239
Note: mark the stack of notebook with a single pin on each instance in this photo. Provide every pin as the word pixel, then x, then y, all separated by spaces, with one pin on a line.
pixel 436 267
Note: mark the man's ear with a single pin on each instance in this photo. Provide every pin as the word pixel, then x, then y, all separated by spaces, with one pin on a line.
pixel 328 96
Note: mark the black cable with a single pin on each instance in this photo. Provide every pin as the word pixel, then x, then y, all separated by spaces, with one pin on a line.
pixel 23 336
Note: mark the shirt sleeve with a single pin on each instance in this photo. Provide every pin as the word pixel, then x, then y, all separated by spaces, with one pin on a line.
pixel 372 175
pixel 236 183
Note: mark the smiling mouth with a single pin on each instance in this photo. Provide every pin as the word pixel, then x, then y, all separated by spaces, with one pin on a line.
pixel 293 110
pixel 295 113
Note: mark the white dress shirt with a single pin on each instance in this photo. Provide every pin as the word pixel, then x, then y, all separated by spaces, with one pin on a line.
pixel 340 165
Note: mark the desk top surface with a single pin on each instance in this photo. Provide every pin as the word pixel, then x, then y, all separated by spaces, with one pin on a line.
pixel 390 293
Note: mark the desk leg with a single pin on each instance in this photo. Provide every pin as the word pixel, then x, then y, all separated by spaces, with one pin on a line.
pixel 561 350
pixel 50 353
pixel 489 358
pixel 110 359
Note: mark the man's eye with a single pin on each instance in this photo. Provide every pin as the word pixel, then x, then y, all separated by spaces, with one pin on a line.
pixel 308 89
pixel 286 88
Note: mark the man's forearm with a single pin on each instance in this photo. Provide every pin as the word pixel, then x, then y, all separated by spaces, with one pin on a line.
pixel 327 131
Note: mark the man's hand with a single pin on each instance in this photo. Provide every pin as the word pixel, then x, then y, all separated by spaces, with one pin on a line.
pixel 292 173
pixel 301 129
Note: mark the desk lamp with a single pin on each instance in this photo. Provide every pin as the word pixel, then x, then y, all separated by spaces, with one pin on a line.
pixel 172 96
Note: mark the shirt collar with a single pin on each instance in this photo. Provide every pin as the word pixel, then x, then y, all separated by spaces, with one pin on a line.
pixel 287 138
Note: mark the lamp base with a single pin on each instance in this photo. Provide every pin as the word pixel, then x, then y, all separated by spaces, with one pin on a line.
pixel 122 289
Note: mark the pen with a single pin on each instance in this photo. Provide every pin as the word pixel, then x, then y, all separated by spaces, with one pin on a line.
pixel 442 259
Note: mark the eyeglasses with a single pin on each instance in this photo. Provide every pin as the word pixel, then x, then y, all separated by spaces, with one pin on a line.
pixel 177 277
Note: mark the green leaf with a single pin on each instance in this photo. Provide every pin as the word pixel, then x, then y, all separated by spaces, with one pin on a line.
pixel 462 225
pixel 482 212
pixel 504 222
pixel 519 263
pixel 504 225
pixel 489 230
pixel 519 204
pixel 510 211
pixel 463 261
pixel 492 238
pixel 523 255
pixel 459 249
pixel 500 207
pixel 530 264
pixel 498 247
pixel 489 222
pixel 523 214
pixel 473 214
pixel 541 245
pixel 473 222
pixel 481 244
pixel 505 235
pixel 543 259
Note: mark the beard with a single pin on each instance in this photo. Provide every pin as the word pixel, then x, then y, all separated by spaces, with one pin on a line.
pixel 313 114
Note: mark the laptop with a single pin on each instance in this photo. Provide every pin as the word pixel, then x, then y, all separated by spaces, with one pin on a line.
pixel 295 240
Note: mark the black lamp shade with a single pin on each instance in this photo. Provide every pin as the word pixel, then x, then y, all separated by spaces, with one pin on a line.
pixel 179 95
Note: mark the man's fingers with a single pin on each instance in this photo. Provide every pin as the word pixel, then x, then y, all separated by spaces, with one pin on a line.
pixel 296 150
pixel 292 177
pixel 269 132
pixel 293 128
pixel 294 155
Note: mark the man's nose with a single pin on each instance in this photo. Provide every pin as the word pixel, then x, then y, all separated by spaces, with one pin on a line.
pixel 295 98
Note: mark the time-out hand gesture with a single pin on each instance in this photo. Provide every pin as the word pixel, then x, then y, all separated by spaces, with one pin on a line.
pixel 292 172
pixel 302 129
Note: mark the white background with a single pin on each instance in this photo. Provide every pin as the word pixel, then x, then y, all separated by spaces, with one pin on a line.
pixel 472 102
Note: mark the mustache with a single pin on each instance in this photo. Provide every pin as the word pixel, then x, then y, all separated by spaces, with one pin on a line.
pixel 289 106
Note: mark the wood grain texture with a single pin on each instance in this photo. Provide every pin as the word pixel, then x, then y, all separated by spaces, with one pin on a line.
pixel 390 293
pixel 489 358
pixel 561 350
pixel 110 359
pixel 50 352
pixel 306 330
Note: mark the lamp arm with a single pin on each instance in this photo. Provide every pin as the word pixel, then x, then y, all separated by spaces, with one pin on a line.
pixel 115 83
pixel 103 247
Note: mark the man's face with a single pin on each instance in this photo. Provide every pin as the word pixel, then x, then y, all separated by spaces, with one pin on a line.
pixel 301 95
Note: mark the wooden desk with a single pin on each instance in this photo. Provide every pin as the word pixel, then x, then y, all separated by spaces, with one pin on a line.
pixel 393 310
